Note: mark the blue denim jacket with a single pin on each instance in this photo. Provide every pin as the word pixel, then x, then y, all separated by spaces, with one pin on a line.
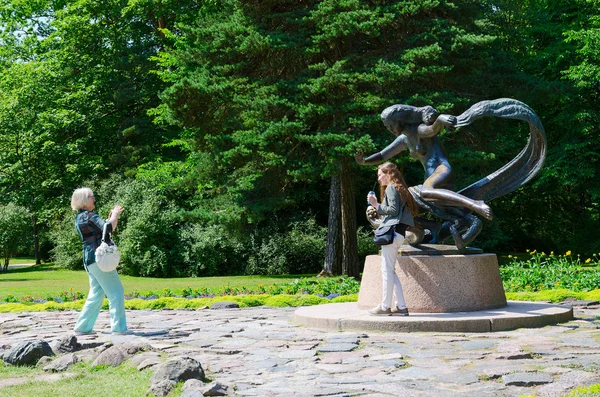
pixel 89 225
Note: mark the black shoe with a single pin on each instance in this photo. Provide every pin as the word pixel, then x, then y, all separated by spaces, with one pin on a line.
pixel 400 312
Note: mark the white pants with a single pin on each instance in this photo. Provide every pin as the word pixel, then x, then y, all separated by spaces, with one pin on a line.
pixel 391 282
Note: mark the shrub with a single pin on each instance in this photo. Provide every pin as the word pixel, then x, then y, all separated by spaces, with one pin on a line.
pixel 542 272
pixel 158 237
pixel 210 251
pixel 146 234
pixel 299 250
pixel 67 251
pixel 365 243
pixel 147 229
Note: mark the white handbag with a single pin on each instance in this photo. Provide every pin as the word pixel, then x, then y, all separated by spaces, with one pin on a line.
pixel 107 254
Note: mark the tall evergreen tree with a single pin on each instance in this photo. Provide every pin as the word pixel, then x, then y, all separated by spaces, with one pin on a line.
pixel 548 47
pixel 285 92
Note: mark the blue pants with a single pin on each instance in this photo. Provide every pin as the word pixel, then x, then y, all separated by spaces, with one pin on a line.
pixel 101 283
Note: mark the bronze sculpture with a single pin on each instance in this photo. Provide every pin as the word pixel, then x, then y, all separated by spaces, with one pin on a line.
pixel 417 130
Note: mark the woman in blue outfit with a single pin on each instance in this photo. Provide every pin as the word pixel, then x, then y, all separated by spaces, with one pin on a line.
pixel 397 208
pixel 89 225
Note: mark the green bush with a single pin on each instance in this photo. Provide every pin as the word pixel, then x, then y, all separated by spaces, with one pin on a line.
pixel 157 238
pixel 543 272
pixel 210 251
pixel 147 230
pixel 146 234
pixel 67 251
pixel 300 250
pixel 365 243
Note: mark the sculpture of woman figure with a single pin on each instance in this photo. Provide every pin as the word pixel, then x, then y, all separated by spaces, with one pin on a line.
pixel 417 129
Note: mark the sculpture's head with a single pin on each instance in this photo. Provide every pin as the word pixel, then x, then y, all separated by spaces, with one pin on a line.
pixel 396 117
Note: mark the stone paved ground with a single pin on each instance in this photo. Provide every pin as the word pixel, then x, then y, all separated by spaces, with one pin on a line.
pixel 260 352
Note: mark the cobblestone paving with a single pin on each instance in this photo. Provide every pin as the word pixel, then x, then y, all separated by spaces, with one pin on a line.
pixel 260 352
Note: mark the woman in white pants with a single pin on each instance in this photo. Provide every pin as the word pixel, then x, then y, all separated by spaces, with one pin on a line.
pixel 398 208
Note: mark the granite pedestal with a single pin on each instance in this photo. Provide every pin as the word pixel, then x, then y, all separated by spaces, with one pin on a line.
pixel 438 283
pixel 444 291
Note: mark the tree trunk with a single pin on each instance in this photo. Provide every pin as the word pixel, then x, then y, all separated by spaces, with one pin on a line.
pixel 333 256
pixel 350 264
pixel 36 240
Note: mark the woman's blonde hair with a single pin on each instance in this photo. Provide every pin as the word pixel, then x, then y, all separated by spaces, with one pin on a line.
pixel 81 198
pixel 395 177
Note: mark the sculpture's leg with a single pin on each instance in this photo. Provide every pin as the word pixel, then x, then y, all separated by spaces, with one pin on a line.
pixel 475 226
pixel 433 227
pixel 435 188
pixel 414 234
pixel 449 198
pixel 458 241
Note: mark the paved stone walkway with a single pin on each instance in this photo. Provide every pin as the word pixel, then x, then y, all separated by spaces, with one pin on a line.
pixel 260 352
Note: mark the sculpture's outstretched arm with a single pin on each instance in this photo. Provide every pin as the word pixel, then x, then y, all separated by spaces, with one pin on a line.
pixel 443 120
pixel 398 145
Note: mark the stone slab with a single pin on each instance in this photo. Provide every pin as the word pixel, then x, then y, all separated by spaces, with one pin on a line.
pixel 438 284
pixel 445 364
pixel 349 317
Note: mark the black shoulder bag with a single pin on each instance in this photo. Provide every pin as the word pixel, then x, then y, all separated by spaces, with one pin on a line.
pixel 384 235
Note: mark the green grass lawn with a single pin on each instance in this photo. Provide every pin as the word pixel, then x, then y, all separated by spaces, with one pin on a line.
pixel 123 380
pixel 47 279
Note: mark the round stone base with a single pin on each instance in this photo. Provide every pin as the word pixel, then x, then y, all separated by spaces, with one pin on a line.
pixel 438 284
pixel 348 317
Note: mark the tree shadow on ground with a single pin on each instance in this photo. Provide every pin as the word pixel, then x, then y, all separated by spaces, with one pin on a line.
pixel 44 267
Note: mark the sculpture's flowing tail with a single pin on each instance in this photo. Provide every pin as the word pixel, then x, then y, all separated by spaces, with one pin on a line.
pixel 524 166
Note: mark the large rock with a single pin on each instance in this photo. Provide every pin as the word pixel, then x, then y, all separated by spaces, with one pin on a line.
pixel 192 388
pixel 42 362
pixel 62 363
pixel 178 369
pixel 139 358
pixel 28 353
pixel 149 362
pixel 162 388
pixel 215 389
pixel 67 344
pixel 192 384
pixel 192 393
pixel 115 355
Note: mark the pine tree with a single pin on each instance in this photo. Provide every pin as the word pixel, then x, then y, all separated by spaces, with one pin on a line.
pixel 286 92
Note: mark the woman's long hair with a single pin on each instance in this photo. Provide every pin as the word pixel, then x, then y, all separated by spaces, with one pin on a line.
pixel 395 177
pixel 406 114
